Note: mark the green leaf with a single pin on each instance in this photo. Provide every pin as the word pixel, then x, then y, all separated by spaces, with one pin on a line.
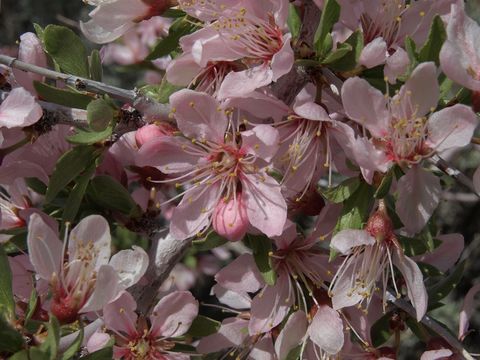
pixel 294 354
pixel 32 305
pixel 356 208
pixel 384 187
pixel 262 247
pixel 337 54
pixel 203 326
pixel 165 46
pixel 380 331
pixel 68 167
pixel 11 341
pixel 21 355
pixel 330 15
pixel 66 48
pixel 343 191
pixel 443 287
pixel 347 60
pixel 95 66
pixel 89 136
pixel 38 354
pixel 436 37
pixel 99 114
pixel 415 246
pixel 160 93
pixel 103 354
pixel 110 194
pixel 294 21
pixel 39 30
pixel 7 302
pixel 61 96
pixel 428 270
pixel 36 185
pixel 50 345
pixel 74 347
pixel 173 13
pixel 76 195
pixel 212 241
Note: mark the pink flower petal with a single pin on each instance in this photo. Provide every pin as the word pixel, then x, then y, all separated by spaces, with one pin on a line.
pixel 232 333
pixel 451 127
pixel 374 53
pixel 263 349
pixel 130 265
pixel 417 293
pixel 106 289
pixel 396 65
pixel 306 107
pixel 283 60
pixel 44 247
pixel 92 230
pixel 346 240
pixel 468 308
pixel 266 206
pixel 233 299
pixel 436 354
pixel 120 315
pixel 326 330
pixel 240 275
pixel 173 314
pixel 271 305
pixel 199 115
pixel 291 335
pixel 243 82
pixel 193 213
pixel 262 141
pixel 445 255
pixel 30 50
pixel 366 105
pixel 418 196
pixel 19 109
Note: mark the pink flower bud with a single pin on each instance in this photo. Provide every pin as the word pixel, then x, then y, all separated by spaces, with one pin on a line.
pixel 151 131
pixel 230 218
pixel 380 226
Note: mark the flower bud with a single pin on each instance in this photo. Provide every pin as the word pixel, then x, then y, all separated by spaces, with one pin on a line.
pixel 149 132
pixel 230 218
pixel 380 226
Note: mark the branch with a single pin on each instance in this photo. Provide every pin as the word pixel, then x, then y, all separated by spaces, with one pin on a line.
pixel 431 324
pixel 454 173
pixel 165 252
pixel 142 103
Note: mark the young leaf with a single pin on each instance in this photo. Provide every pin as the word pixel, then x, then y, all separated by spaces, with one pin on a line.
pixel 61 97
pixel 74 347
pixel 161 93
pixel 203 326
pixel 212 241
pixel 380 331
pixel 95 65
pixel 10 340
pixel 50 345
pixel 7 303
pixel 330 15
pixel 110 194
pixel 179 28
pixel 262 247
pixel 436 37
pixel 343 191
pixel 90 137
pixel 68 167
pixel 66 48
pixel 356 208
pixel 76 195
pixel 294 21
pixel 99 115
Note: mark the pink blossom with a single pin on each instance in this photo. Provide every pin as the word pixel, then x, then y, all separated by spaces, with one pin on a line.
pixel 30 50
pixel 113 18
pixel 247 29
pixel 134 338
pixel 88 279
pixel 459 56
pixel 386 24
pixel 402 132
pixel 370 257
pixel 19 109
pixel 311 140
pixel 215 164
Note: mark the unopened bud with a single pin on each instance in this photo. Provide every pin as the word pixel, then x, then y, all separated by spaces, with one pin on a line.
pixel 230 218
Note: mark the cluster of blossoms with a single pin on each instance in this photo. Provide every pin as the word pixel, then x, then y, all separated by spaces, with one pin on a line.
pixel 299 160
